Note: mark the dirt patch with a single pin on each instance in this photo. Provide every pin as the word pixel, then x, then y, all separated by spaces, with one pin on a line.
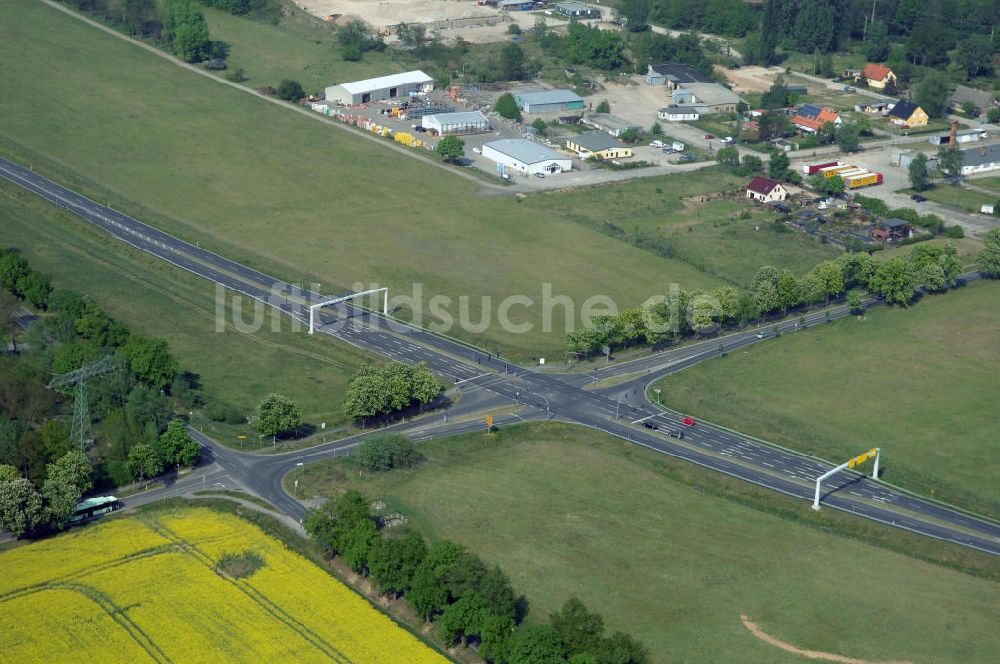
pixel 751 79
pixel 239 565
pixel 811 654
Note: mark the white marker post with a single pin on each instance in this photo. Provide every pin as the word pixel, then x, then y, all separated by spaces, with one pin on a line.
pixel 861 458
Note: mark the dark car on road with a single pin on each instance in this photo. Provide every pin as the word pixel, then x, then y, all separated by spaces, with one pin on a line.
pixel 918 198
pixel 677 433
pixel 650 425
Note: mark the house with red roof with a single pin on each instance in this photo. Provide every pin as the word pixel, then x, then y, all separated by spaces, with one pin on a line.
pixel 878 77
pixel 811 117
pixel 766 190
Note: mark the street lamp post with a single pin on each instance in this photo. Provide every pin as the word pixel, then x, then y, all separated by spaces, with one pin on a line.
pixel 658 399
pixel 299 466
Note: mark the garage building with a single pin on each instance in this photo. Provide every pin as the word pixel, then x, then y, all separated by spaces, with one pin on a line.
pixel 525 157
pixel 549 101
pixel 471 122
pixel 381 88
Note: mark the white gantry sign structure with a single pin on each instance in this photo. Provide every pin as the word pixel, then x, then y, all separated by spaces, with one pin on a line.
pixel 855 461
pixel 343 298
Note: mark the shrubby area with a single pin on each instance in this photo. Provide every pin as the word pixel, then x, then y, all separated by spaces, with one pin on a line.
pixel 772 291
pixel 375 391
pixel 133 403
pixel 468 601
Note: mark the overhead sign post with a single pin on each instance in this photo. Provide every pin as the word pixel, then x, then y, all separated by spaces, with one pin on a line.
pixel 489 422
pixel 873 453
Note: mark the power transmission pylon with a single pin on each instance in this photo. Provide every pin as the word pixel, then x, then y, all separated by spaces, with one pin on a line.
pixel 80 429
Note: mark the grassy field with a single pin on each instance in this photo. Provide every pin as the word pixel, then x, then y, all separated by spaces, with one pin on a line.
pixel 957 197
pixel 967 248
pixel 728 238
pixel 569 511
pixel 306 51
pixel 991 183
pixel 918 382
pixel 157 586
pixel 290 195
pixel 158 300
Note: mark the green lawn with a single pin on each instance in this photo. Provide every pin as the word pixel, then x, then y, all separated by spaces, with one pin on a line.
pixel 155 299
pixel 289 195
pixel 267 53
pixel 726 237
pixel 920 383
pixel 956 196
pixel 968 248
pixel 991 183
pixel 568 511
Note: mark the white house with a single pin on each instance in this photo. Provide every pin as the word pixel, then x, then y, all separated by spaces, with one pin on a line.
pixel 525 157
pixel 981 159
pixel 766 190
pixel 678 113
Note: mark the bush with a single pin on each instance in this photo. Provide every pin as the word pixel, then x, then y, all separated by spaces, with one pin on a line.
pixel 218 412
pixel 290 90
pixel 954 232
pixel 387 451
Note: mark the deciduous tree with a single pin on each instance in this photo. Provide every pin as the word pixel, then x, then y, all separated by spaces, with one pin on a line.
pixel 277 413
pixel 894 281
pixel 451 148
pixel 21 508
pixel 143 462
pixel 920 179
pixel 67 479
pixel 989 256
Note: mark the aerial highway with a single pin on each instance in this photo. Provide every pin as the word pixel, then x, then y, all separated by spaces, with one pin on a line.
pixel 488 381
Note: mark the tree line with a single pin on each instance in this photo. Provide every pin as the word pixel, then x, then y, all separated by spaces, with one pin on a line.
pixel 133 403
pixel 375 391
pixel 468 601
pixel 679 314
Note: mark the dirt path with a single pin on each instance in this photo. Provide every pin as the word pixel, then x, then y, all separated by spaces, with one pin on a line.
pixel 278 102
pixel 811 654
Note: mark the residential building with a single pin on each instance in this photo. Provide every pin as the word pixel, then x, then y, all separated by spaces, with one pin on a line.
pixel 878 77
pixel 708 98
pixel 576 10
pixel 766 190
pixel 380 89
pixel 525 157
pixel 872 107
pixel 980 160
pixel 908 114
pixel 678 113
pixel 811 117
pixel 981 100
pixel 470 122
pixel 597 144
pixel 549 101
pixel 674 75
pixel 612 124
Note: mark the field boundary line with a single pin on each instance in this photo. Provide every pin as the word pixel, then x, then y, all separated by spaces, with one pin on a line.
pixel 104 601
pixel 255 596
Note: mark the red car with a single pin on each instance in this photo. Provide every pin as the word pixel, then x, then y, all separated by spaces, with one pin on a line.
pixel 689 421
pixel 709 136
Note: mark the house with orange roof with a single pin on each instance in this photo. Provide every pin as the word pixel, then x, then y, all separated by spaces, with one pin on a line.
pixel 878 77
pixel 811 117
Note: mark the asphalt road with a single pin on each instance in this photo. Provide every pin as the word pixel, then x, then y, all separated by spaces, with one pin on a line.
pixel 489 382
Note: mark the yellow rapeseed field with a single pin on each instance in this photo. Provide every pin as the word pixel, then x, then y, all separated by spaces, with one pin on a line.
pixel 147 588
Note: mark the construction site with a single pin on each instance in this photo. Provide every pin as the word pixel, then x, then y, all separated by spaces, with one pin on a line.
pixel 473 22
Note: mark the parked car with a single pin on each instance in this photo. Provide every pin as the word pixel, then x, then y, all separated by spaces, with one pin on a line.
pixel 728 140
pixel 687 157
pixel 669 150
pixel 657 144
pixel 677 433
pixel 650 425
pixel 709 137
pixel 918 198
pixel 539 175
pixel 689 421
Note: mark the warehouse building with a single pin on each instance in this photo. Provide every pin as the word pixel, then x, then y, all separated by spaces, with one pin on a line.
pixel 472 122
pixel 574 9
pixel 599 145
pixel 525 157
pixel 708 98
pixel 381 88
pixel 674 75
pixel 981 159
pixel 549 101
pixel 612 124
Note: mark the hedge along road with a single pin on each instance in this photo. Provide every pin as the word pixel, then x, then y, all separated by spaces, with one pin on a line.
pixel 473 369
